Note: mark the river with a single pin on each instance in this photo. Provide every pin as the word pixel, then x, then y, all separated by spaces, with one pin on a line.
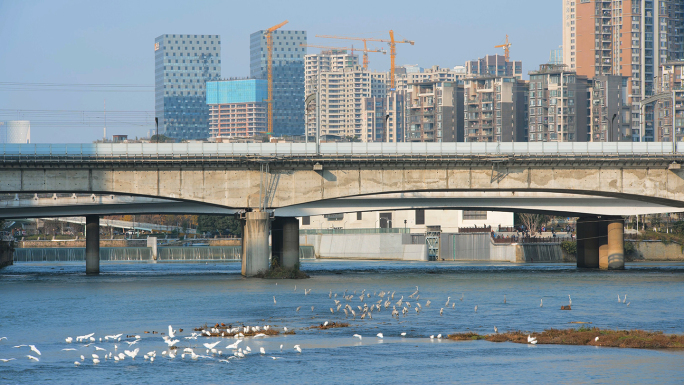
pixel 43 303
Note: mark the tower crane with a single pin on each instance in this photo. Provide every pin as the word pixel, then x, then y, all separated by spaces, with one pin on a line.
pixel 364 50
pixel 269 48
pixel 393 49
pixel 506 47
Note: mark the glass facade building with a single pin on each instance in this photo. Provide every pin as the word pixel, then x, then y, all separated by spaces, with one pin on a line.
pixel 183 64
pixel 288 77
pixel 237 91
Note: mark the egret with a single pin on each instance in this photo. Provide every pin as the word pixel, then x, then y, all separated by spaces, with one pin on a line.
pixel 211 346
pixel 32 358
pixel 69 340
pixel 171 332
pixel 439 336
pixel 447 302
pixel 541 304
pixel 77 363
pixel 596 339
pixel 358 336
pixel 403 334
pixel 441 311
pixel 68 350
pixel 496 330
pixel 297 348
pixel 7 359
pixel 570 300
pixel 534 342
pixel 380 335
pixel 262 350
pixel 34 349
pixel 475 308
pixel 274 300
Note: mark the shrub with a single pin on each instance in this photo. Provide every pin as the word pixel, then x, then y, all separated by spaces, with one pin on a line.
pixel 569 247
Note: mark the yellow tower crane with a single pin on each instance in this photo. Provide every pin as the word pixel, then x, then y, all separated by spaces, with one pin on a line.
pixel 364 50
pixel 506 47
pixel 393 50
pixel 269 64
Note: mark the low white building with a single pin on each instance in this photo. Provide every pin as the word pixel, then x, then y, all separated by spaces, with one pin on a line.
pixel 415 220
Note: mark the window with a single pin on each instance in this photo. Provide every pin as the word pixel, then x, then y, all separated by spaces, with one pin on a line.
pixel 306 221
pixel 470 215
pixel 420 217
pixel 359 216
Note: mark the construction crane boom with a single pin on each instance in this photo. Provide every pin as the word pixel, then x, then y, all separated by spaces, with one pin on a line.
pixel 269 64
pixel 393 49
pixel 507 48
pixel 365 51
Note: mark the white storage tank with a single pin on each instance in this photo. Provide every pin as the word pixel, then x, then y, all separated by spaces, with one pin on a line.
pixel 15 131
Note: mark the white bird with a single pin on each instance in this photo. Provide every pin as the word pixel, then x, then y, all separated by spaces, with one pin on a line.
pixel 530 338
pixel 596 339
pixel 570 300
pixel 285 329
pixel 358 336
pixel 171 332
pixel 95 355
pixel 624 299
pixel 99 348
pixel 380 335
pixel 432 337
pixel 132 354
pixel 35 349
pixel 298 307
pixel 131 343
pixel 475 308
pixel 20 346
pixel 427 304
pixel 274 300
pixel 262 350
pixel 403 334
pixel 121 356
pixel 77 363
pixel 234 345
pixel 441 311
pixel 541 304
pixel 619 298
pixel 297 348
pixel 447 302
pixel 496 330
pixel 69 340
pixel 281 347
pixel 7 359
pixel 151 359
pixel 95 361
pixel 312 308
pixel 534 342
pixel 628 303
pixel 32 358
pixel 211 346
pixel 68 350
pixel 260 335
pixel 82 357
pixel 137 337
pixel 439 336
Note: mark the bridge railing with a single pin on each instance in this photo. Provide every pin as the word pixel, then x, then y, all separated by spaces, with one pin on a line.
pixel 226 150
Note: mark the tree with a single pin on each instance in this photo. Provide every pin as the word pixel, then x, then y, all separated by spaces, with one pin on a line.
pixel 532 222
pixel 162 139
pixel 224 225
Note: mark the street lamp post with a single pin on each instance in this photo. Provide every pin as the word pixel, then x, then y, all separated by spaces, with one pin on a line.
pixel 610 136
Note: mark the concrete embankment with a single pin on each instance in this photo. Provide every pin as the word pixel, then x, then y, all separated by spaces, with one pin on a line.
pixel 6 254
pixel 114 243
pixel 655 251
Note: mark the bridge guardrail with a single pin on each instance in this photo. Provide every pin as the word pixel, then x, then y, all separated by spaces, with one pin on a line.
pixel 147 151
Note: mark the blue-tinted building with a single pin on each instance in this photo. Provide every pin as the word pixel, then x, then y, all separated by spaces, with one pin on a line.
pixel 183 64
pixel 288 77
pixel 237 91
pixel 237 108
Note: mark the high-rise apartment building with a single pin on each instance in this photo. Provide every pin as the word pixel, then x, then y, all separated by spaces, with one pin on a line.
pixel 183 64
pixel 237 108
pixel 495 109
pixel 494 65
pixel 342 97
pixel 383 118
pixel 610 111
pixel 434 112
pixel 288 77
pixel 626 38
pixel 670 82
pixel 411 74
pixel 558 105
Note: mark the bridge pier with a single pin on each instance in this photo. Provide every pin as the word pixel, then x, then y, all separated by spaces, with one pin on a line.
pixel 92 252
pixel 600 243
pixel 285 241
pixel 588 242
pixel 255 252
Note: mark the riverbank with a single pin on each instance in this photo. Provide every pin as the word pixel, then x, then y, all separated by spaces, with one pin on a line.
pixel 635 339
pixel 6 254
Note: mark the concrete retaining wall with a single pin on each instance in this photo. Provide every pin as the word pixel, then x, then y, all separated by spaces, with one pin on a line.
pixel 81 243
pixel 364 246
pixel 659 251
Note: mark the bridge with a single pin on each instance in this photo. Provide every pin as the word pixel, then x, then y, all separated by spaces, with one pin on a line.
pixel 264 183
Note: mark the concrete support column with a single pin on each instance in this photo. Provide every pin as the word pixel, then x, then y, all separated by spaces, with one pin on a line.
pixel 616 244
pixel 277 241
pixel 290 253
pixel 92 252
pixel 603 243
pixel 588 242
pixel 255 252
pixel 285 242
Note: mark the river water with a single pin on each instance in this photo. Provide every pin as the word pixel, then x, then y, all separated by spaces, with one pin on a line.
pixel 43 303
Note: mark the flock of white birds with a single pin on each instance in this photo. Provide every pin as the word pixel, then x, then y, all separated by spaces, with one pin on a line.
pixel 212 350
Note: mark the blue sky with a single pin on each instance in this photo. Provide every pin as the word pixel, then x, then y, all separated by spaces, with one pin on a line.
pixel 112 42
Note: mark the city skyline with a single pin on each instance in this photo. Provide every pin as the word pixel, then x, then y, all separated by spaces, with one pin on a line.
pixel 119 49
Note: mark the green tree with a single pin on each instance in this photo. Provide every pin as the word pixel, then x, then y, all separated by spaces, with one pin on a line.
pixel 162 139
pixel 223 224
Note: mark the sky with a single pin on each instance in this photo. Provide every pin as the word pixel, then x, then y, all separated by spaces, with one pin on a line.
pixel 63 44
